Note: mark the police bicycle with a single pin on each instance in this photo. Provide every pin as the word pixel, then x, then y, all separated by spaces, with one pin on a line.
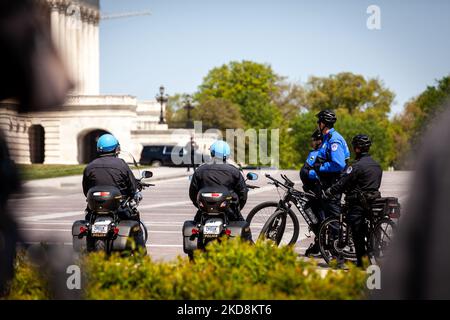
pixel 335 237
pixel 276 221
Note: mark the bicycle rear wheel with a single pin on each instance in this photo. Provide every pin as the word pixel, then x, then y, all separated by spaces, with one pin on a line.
pixel 329 244
pixel 380 239
pixel 260 215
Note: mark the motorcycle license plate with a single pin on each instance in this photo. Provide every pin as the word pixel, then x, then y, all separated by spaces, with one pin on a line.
pixel 212 230
pixel 99 229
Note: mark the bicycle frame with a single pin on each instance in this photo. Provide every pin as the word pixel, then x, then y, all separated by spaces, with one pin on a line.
pixel 292 195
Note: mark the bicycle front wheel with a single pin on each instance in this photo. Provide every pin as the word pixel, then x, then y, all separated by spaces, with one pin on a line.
pixel 260 215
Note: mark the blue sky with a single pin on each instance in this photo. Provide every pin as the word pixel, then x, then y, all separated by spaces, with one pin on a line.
pixel 183 39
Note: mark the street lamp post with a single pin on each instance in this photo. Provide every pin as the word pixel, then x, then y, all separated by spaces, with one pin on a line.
pixel 162 98
pixel 188 107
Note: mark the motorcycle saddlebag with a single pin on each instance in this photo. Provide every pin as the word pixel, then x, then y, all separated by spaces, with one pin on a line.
pixel 386 206
pixel 240 229
pixel 78 243
pixel 126 230
pixel 189 242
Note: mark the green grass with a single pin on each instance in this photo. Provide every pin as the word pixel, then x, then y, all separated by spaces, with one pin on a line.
pixel 43 171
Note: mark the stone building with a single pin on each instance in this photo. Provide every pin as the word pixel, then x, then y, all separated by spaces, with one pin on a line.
pixel 67 134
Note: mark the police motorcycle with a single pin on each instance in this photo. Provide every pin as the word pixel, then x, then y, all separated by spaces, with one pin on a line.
pixel 106 230
pixel 215 204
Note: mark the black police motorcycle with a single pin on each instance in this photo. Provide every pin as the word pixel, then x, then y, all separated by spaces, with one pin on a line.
pixel 107 230
pixel 216 205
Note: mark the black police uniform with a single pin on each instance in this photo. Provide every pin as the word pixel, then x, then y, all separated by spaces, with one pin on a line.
pixel 361 183
pixel 219 174
pixel 108 170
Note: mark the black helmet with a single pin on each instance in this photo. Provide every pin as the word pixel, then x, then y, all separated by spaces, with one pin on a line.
pixel 327 116
pixel 317 135
pixel 362 141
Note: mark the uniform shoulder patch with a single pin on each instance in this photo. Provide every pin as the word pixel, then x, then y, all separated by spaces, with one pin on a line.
pixel 334 146
pixel 349 170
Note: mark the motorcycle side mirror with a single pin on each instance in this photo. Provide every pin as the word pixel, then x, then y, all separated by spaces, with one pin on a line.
pixel 147 174
pixel 252 176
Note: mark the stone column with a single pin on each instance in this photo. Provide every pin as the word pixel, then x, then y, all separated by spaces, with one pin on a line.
pixel 96 62
pixel 90 64
pixel 62 34
pixel 78 53
pixel 54 23
pixel 71 41
pixel 83 50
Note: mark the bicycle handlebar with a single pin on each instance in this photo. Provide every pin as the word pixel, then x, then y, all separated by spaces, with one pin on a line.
pixel 276 182
pixel 289 186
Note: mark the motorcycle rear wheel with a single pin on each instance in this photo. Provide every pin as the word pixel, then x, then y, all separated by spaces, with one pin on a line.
pixel 101 245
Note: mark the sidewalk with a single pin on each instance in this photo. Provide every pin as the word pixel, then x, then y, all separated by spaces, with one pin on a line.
pixel 73 183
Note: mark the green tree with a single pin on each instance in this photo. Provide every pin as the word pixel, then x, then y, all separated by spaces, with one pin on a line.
pixel 290 98
pixel 249 85
pixel 302 128
pixel 417 115
pixel 379 131
pixel 421 110
pixel 351 92
pixel 218 113
pixel 175 114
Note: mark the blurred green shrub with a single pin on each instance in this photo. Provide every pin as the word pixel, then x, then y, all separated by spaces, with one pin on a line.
pixel 227 270
pixel 28 283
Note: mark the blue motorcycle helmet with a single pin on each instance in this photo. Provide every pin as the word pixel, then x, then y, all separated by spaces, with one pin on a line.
pixel 220 150
pixel 107 143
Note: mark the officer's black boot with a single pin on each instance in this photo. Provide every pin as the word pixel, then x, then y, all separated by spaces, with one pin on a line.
pixel 313 250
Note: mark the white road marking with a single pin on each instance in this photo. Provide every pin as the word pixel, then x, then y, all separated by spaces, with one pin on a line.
pixel 70 244
pixel 165 245
pixel 76 213
pixel 70 230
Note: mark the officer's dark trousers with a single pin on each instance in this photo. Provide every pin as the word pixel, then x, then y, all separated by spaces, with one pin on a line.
pixel 330 207
pixel 316 208
pixel 355 219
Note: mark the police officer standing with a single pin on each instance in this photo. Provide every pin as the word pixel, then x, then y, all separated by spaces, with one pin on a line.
pixel 308 183
pixel 312 185
pixel 219 173
pixel 330 162
pixel 360 183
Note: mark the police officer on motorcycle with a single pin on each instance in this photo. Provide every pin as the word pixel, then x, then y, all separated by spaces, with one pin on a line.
pixel 330 162
pixel 109 170
pixel 219 173
pixel 360 183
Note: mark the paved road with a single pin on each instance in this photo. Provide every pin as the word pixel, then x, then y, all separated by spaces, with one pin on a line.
pixel 48 217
